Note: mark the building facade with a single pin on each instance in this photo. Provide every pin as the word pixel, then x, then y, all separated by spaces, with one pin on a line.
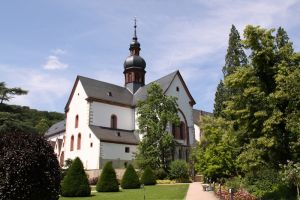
pixel 101 120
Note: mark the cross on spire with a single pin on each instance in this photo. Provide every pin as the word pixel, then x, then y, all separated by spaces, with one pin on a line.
pixel 134 36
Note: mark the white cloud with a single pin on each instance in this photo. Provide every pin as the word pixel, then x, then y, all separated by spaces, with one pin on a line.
pixel 46 90
pixel 54 63
pixel 59 51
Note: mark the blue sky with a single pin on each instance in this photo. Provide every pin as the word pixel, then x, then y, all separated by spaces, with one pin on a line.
pixel 45 44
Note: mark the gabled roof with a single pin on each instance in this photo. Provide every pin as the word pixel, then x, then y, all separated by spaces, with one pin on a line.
pixel 102 91
pixel 56 128
pixel 114 94
pixel 164 82
pixel 114 136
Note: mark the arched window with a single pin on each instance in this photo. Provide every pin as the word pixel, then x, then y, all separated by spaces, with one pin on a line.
pixel 72 143
pixel 113 121
pixel 76 121
pixel 182 130
pixel 79 142
pixel 129 77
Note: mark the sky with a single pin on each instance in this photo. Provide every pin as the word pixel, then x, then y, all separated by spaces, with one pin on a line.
pixel 45 44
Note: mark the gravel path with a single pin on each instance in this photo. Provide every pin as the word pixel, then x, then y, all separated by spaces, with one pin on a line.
pixel 195 192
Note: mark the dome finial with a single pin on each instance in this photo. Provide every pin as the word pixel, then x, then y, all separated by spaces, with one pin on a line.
pixel 134 36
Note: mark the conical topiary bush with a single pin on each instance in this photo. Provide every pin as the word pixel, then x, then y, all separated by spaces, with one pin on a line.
pixel 148 177
pixel 130 179
pixel 108 180
pixel 75 183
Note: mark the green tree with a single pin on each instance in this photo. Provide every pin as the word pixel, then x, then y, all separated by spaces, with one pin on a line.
pixel 179 171
pixel 108 179
pixel 220 98
pixel 215 155
pixel 235 57
pixel 291 174
pixel 75 183
pixel 154 115
pixel 268 100
pixel 130 179
pixel 42 126
pixel 7 93
pixel 148 177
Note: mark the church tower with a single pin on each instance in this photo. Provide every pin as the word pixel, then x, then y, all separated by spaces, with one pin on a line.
pixel 134 66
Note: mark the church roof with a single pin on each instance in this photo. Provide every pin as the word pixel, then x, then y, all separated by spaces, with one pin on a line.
pixel 198 113
pixel 164 82
pixel 56 128
pixel 114 136
pixel 113 94
pixel 106 91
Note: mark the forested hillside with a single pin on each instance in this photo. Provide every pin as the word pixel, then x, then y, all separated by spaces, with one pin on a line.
pixel 14 117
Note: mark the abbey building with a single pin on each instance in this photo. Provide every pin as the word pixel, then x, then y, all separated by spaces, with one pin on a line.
pixel 101 122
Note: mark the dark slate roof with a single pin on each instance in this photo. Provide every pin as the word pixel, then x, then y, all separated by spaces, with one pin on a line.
pixel 164 82
pixel 198 113
pixel 111 135
pixel 56 128
pixel 106 91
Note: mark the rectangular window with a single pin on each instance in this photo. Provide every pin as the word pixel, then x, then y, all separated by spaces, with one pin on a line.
pixel 127 149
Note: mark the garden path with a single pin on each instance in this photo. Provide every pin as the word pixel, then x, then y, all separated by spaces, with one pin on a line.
pixel 195 192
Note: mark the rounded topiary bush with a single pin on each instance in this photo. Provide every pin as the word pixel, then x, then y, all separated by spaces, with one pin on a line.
pixel 179 171
pixel 130 179
pixel 75 183
pixel 108 179
pixel 148 177
pixel 28 168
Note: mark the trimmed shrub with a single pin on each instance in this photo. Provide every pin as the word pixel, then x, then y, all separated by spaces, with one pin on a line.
pixel 108 179
pixel 161 174
pixel 75 183
pixel 179 171
pixel 148 177
pixel 28 168
pixel 130 179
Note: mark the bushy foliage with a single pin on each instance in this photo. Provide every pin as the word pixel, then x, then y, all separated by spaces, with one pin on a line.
pixel 13 117
pixel 154 114
pixel 130 179
pixel 75 183
pixel 160 174
pixel 108 179
pixel 148 177
pixel 179 171
pixel 28 168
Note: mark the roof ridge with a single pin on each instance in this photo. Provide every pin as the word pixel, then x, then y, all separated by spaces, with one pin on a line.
pixel 79 76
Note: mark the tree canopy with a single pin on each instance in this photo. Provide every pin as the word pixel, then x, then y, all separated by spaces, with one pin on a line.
pixel 8 93
pixel 155 113
pixel 256 125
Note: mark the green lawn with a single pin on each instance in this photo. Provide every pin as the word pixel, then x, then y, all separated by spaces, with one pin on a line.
pixel 151 192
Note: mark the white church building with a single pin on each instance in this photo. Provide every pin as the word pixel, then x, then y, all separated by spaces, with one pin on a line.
pixel 101 121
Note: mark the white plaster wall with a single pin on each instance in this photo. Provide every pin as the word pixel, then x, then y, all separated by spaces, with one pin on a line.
pixel 117 151
pixel 197 132
pixel 183 104
pixel 88 155
pixel 101 115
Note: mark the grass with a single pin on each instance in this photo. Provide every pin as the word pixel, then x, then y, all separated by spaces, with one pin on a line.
pixel 157 192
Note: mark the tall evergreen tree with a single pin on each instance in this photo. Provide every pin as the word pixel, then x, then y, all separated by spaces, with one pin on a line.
pixel 7 93
pixel 235 57
pixel 235 53
pixel 220 98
